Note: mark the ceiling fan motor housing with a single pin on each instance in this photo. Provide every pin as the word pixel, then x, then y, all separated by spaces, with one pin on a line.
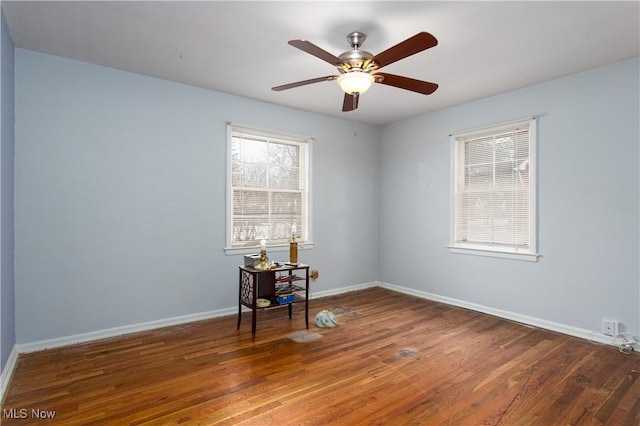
pixel 356 59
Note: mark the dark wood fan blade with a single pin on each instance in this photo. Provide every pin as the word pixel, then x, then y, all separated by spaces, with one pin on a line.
pixel 417 43
pixel 350 102
pixel 314 50
pixel 406 83
pixel 304 83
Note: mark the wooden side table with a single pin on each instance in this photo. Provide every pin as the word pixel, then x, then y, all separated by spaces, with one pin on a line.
pixel 284 285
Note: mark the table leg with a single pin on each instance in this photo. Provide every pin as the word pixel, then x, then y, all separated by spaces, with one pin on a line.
pixel 306 301
pixel 255 304
pixel 239 299
pixel 253 325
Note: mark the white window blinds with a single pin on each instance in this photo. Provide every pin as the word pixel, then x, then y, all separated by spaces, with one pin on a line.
pixel 493 188
pixel 268 187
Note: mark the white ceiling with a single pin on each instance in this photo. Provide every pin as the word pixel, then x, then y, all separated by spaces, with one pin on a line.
pixel 241 47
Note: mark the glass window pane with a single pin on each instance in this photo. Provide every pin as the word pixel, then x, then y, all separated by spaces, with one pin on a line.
pixel 492 188
pixel 268 188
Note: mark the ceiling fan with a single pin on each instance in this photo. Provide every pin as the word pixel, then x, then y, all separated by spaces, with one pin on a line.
pixel 356 67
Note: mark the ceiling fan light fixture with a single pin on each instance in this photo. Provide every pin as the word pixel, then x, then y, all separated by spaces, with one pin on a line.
pixel 355 82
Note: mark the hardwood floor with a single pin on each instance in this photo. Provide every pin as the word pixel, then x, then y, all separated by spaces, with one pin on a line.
pixel 393 359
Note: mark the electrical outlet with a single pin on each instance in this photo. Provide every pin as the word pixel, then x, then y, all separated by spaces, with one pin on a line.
pixel 610 327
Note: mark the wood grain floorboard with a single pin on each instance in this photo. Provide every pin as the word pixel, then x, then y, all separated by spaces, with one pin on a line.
pixel 393 360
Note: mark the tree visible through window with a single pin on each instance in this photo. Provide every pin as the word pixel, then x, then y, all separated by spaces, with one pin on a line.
pixel 494 199
pixel 268 187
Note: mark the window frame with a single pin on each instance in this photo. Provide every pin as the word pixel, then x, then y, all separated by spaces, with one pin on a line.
pixel 478 249
pixel 305 241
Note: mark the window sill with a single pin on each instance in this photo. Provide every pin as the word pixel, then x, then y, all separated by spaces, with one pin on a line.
pixel 528 257
pixel 276 248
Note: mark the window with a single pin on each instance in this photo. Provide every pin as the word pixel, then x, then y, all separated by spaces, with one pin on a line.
pixel 493 200
pixel 268 187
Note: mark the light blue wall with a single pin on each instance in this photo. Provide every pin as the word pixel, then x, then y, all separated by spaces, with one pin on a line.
pixel 120 197
pixel 120 188
pixel 588 203
pixel 7 317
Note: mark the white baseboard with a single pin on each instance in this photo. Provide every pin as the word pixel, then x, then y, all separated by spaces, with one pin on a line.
pixel 589 335
pixel 134 328
pixel 341 290
pixel 145 326
pixel 119 331
pixel 7 371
